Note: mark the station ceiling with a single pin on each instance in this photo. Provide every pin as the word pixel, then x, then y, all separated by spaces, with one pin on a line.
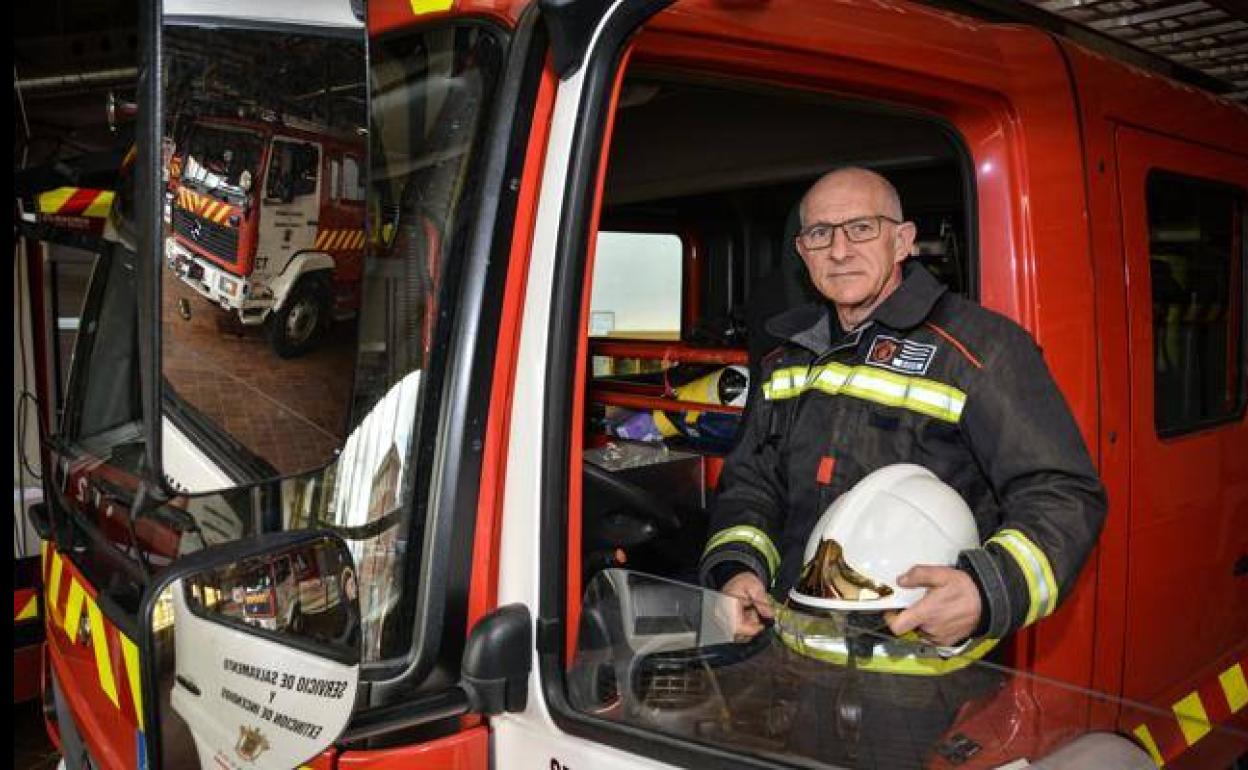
pixel 1202 42
pixel 69 56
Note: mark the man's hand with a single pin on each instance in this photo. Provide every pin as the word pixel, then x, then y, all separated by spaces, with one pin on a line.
pixel 753 608
pixel 947 614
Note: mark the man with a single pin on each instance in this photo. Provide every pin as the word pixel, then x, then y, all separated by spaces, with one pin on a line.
pixel 914 374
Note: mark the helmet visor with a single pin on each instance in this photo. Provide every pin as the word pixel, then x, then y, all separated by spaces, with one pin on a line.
pixel 828 576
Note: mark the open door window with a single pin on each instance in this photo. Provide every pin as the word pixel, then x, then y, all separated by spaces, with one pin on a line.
pixel 664 658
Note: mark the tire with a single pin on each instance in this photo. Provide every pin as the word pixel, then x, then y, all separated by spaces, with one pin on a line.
pixel 298 325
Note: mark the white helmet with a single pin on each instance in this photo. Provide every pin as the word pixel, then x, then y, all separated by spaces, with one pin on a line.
pixel 896 517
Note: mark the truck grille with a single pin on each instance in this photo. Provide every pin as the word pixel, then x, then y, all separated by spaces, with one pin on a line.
pixel 220 241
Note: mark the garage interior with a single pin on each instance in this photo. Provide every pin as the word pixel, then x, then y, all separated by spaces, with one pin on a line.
pixel 72 61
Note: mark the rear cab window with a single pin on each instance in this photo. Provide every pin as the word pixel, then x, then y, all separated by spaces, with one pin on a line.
pixel 637 285
pixel 1196 265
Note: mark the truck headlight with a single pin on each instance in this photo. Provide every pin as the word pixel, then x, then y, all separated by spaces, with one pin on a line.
pixel 227 286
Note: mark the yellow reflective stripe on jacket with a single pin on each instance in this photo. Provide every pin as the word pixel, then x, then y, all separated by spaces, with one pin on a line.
pixel 881 662
pixel 751 536
pixel 1041 585
pixel 785 383
pixel 929 397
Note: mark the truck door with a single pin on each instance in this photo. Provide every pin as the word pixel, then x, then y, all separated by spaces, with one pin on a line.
pixel 1183 209
pixel 339 230
pixel 291 203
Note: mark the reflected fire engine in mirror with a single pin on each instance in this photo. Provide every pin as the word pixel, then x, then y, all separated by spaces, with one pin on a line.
pixel 257 659
pixel 263 250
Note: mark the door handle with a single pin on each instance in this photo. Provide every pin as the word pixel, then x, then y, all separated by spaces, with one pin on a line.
pixel 1241 566
pixel 312 223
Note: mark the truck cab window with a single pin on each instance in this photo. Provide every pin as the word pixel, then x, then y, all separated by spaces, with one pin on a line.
pixel 352 181
pixel 109 409
pixel 1196 257
pixel 637 285
pixel 293 170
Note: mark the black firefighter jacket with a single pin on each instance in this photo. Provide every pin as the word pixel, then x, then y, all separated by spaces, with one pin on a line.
pixel 931 379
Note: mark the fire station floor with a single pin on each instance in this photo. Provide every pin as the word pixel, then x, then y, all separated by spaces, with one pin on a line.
pixel 291 412
pixel 32 750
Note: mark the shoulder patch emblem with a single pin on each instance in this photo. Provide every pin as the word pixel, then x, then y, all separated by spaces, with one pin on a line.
pixel 905 356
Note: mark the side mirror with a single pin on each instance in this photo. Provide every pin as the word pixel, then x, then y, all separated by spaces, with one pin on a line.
pixel 251 653
pixel 497 661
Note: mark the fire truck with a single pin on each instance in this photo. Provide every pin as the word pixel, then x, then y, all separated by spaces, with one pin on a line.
pixel 265 219
pixel 590 211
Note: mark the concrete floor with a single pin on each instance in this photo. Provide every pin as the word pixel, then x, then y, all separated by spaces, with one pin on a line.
pixel 291 412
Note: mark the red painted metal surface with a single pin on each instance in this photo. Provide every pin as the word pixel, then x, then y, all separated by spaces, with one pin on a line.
pixel 694 279
pixel 1173 525
pixel 386 16
pixel 108 727
pixel 22 598
pixel 1112 95
pixel 1024 718
pixel 636 401
pixel 714 469
pixel 26 678
pixel 326 760
pixel 466 750
pixel 626 386
pixel 333 215
pixel 669 351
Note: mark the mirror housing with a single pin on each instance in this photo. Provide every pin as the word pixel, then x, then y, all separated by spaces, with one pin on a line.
pixel 41 520
pixel 497 661
pixel 251 652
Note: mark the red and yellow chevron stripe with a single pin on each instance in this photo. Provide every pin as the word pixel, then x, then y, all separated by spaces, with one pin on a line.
pixel 340 240
pixel 69 600
pixel 422 7
pixel 75 202
pixel 25 605
pixel 204 206
pixel 1193 716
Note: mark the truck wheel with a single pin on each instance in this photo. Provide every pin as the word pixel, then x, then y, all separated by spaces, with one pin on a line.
pixel 298 324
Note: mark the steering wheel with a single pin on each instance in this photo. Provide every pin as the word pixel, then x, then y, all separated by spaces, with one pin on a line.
pixel 633 498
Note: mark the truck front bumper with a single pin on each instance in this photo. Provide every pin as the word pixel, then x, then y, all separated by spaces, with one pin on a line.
pixel 228 291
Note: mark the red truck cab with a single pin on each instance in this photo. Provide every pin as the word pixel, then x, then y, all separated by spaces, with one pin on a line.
pixel 593 211
pixel 266 221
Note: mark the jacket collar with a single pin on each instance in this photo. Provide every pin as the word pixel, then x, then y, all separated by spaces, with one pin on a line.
pixel 811 325
pixel 913 301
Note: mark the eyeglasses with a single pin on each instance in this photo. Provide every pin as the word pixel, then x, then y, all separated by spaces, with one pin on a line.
pixel 821 234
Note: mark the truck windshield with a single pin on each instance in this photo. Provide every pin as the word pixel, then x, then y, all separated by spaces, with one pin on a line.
pixel 222 160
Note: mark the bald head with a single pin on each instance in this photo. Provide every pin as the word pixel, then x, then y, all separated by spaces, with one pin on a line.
pixel 855 269
pixel 859 180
